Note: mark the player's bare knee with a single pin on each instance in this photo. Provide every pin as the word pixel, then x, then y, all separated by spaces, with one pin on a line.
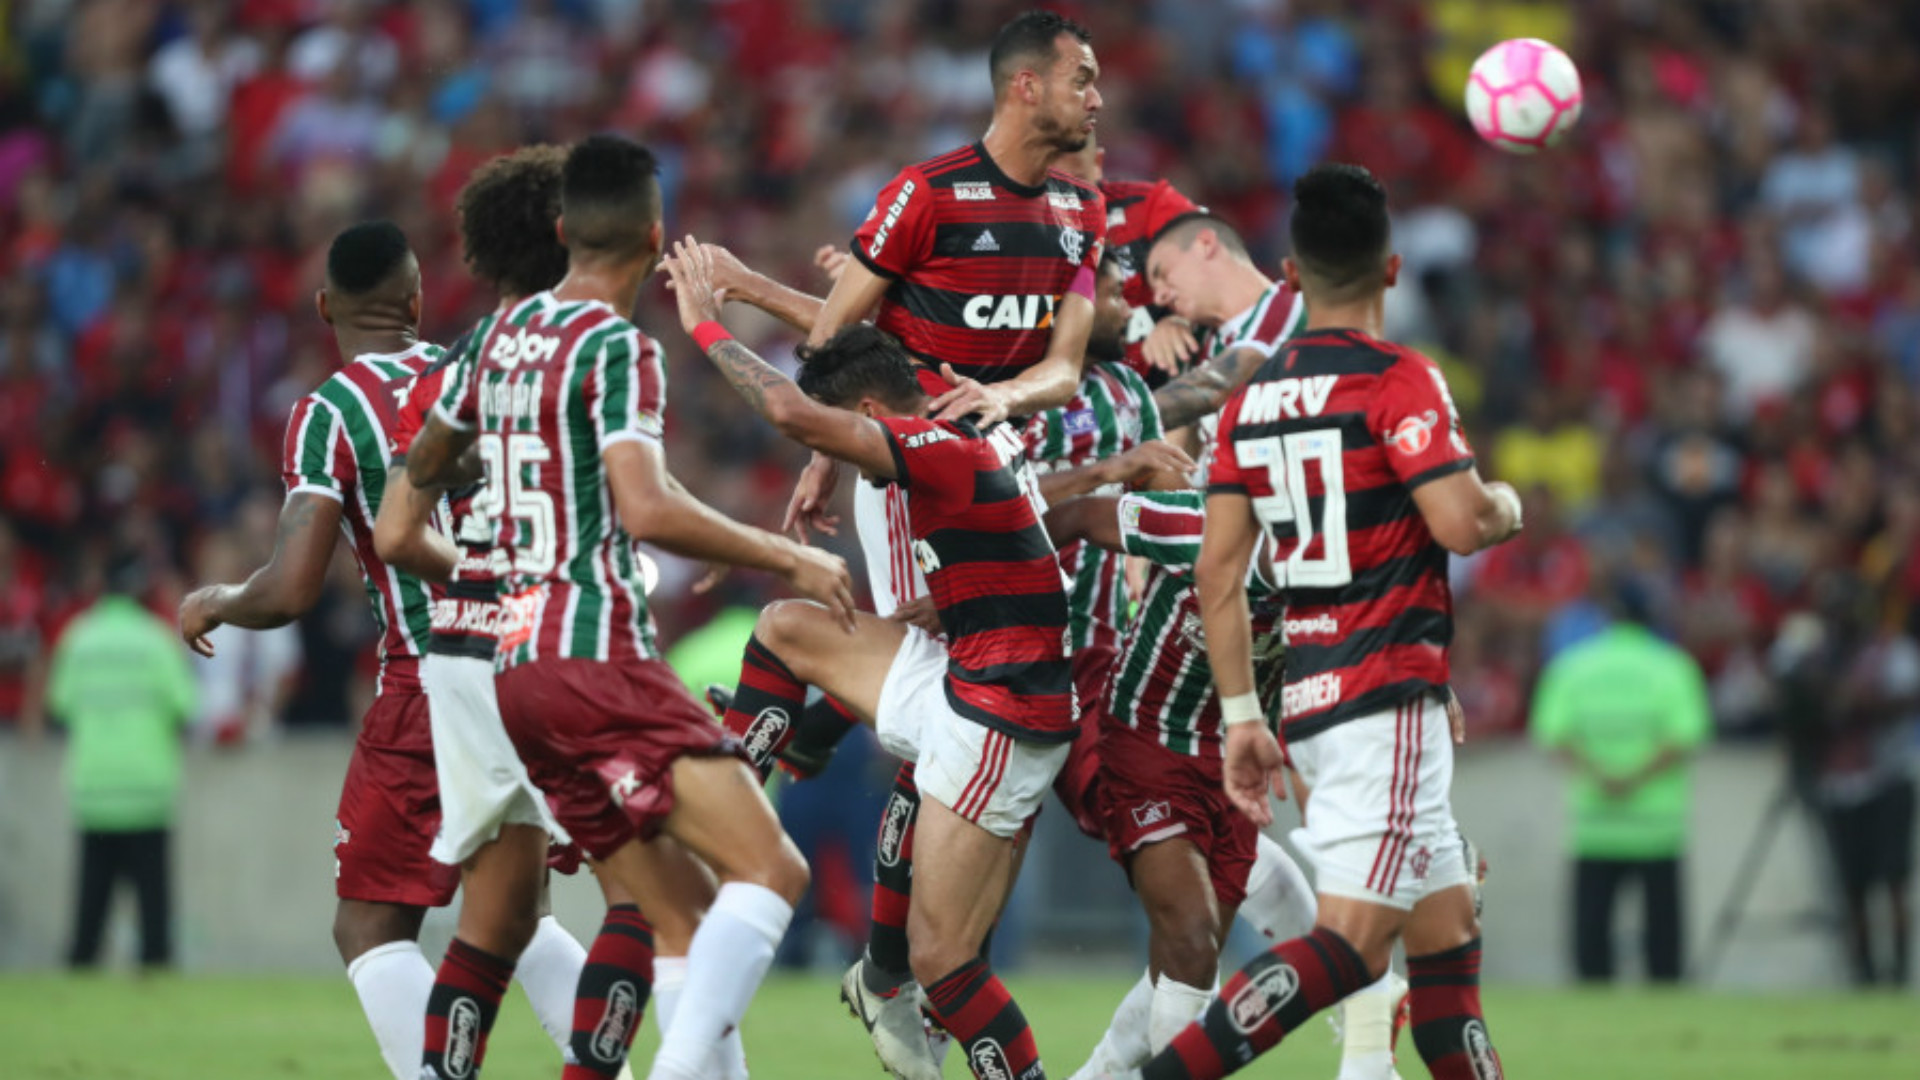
pixel 785 624
pixel 360 927
pixel 935 959
pixel 783 871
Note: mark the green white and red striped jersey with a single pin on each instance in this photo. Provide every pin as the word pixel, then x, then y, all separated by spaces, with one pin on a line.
pixel 1163 684
pixel 549 387
pixel 1112 412
pixel 337 446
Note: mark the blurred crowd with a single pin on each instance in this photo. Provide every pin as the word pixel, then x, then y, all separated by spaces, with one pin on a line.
pixel 1691 335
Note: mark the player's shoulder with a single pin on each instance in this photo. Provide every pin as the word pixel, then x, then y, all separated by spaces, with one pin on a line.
pixel 1125 193
pixel 946 169
pixel 1059 180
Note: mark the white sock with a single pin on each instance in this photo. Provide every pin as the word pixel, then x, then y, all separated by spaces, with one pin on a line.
pixel 1366 1031
pixel 729 956
pixel 669 975
pixel 1279 903
pixel 394 981
pixel 549 971
pixel 1175 1005
pixel 1124 1046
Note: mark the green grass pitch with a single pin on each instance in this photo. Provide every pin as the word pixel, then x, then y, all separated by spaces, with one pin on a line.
pixel 208 1028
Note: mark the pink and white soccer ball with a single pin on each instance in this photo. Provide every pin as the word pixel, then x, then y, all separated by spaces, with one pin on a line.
pixel 1523 95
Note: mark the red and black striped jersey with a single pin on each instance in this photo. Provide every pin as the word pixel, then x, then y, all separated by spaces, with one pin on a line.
pixel 978 260
pixel 992 572
pixel 1136 209
pixel 1329 440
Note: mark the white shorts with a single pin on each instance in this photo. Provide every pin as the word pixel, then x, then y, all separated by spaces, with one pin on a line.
pixel 886 539
pixel 986 776
pixel 483 785
pixel 1379 821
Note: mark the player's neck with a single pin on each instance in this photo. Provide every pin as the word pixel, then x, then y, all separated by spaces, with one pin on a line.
pixel 615 286
pixel 1241 286
pixel 1023 160
pixel 374 340
pixel 1369 316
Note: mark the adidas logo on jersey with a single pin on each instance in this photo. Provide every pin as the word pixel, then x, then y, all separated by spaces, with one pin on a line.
pixel 986 242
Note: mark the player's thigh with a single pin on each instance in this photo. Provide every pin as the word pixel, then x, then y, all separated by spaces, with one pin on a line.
pixel 1370 927
pixel 961 874
pixel 1441 921
pixel 851 666
pixel 501 889
pixel 1176 889
pixel 721 815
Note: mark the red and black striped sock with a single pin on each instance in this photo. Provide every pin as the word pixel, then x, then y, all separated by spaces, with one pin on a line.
pixel 614 986
pixel 764 706
pixel 460 1010
pixel 822 725
pixel 1276 992
pixel 973 1005
pixel 1448 1028
pixel 887 959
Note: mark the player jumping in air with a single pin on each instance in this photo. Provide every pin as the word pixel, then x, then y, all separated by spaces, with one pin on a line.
pixel 335 470
pixel 565 399
pixel 1346 451
pixel 989 714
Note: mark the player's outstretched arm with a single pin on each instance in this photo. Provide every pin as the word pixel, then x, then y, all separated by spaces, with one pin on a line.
pixel 1253 760
pixel 1048 384
pixel 1465 514
pixel 837 433
pixel 1202 391
pixel 1093 518
pixel 656 509
pixel 403 532
pixel 279 592
pixel 749 286
pixel 1154 464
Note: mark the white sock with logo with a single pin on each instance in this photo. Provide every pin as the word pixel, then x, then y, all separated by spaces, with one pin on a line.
pixel 394 981
pixel 1366 1031
pixel 729 956
pixel 1280 904
pixel 549 972
pixel 1124 1046
pixel 1175 1005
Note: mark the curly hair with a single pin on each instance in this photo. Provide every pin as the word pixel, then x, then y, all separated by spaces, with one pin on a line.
pixel 507 210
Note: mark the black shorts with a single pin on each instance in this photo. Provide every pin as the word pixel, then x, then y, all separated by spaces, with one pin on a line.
pixel 1873 840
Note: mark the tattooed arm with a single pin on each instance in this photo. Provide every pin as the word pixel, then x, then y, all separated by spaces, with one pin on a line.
pixel 1203 390
pixel 837 433
pixel 279 592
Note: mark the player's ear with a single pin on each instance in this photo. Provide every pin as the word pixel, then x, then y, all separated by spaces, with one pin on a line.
pixel 560 229
pixel 414 307
pixel 657 238
pixel 1291 271
pixel 1393 270
pixel 320 305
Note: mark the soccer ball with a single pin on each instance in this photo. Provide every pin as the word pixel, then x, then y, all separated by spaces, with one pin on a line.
pixel 1522 95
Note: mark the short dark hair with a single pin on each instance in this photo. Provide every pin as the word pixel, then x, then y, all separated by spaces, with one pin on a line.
pixel 1182 229
pixel 859 360
pixel 506 211
pixel 610 195
pixel 364 256
pixel 1339 226
pixel 1029 37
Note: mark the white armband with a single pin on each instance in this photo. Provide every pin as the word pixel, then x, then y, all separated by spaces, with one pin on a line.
pixel 1242 709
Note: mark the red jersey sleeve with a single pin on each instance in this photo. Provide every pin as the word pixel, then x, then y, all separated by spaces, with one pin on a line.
pixel 422 394
pixel 898 233
pixel 930 457
pixel 1413 417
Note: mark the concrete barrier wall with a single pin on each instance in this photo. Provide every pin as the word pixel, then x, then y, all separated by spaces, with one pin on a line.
pixel 254 869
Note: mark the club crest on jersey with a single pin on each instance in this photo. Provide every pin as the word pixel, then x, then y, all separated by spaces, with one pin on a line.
pixel 1147 815
pixel 925 557
pixel 973 191
pixel 1262 997
pixel 989 1061
pixel 1074 243
pixel 522 346
pixel 1015 312
pixel 1413 435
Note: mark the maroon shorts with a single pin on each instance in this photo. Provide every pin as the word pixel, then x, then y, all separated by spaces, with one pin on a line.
pixel 1152 794
pixel 600 738
pixel 390 810
pixel 1078 784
